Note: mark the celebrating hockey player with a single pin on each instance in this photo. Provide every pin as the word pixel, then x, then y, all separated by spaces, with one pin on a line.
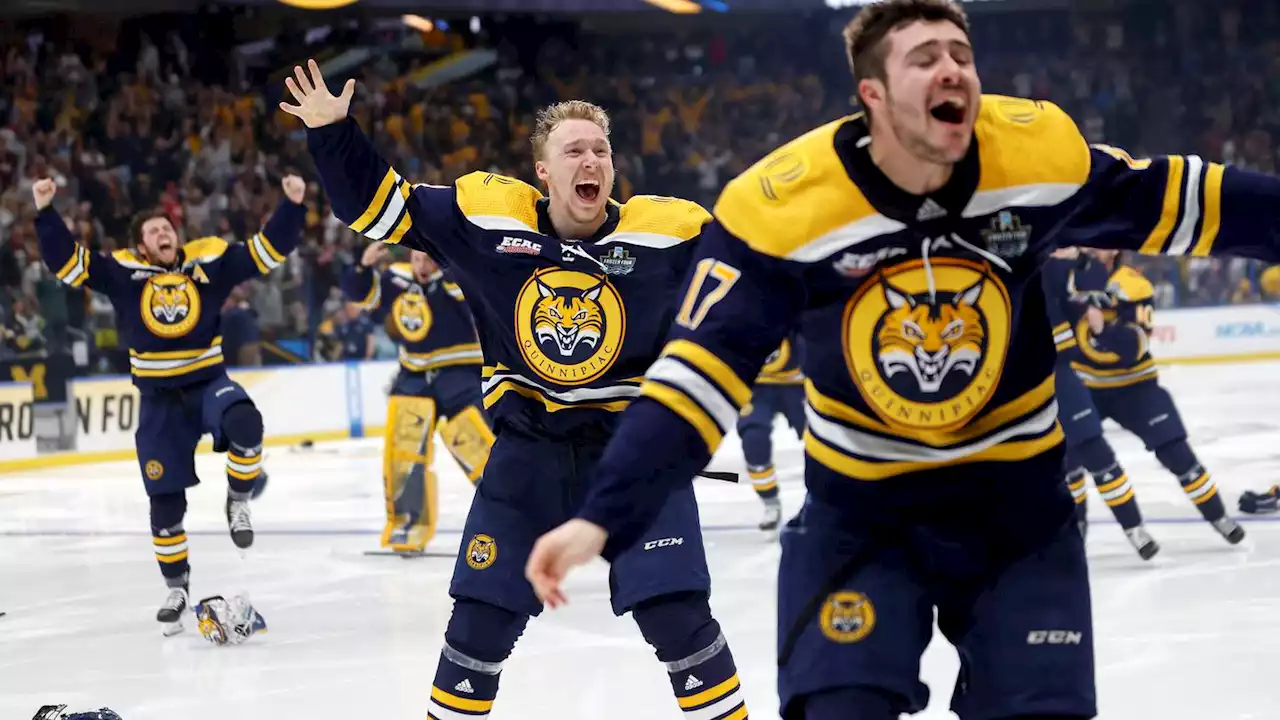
pixel 439 378
pixel 934 451
pixel 1115 363
pixel 1087 452
pixel 779 390
pixel 168 295
pixel 572 295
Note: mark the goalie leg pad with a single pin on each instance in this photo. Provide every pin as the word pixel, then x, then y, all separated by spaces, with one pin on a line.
pixel 468 436
pixel 409 484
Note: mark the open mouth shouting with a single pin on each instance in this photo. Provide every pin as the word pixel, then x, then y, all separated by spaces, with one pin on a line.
pixel 587 191
pixel 952 110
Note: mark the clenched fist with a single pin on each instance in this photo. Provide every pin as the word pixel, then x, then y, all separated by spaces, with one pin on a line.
pixel 295 188
pixel 43 191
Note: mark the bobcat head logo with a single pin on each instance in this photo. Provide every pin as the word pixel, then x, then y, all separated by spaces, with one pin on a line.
pixel 847 617
pixel 169 303
pixel 482 551
pixel 929 337
pixel 411 315
pixel 570 325
pixel 567 317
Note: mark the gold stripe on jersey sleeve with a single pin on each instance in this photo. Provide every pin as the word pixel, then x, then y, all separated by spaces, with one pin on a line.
pixel 691 412
pixel 1212 210
pixel 799 202
pixel 76 270
pixel 497 202
pixel 375 205
pixel 1159 235
pixel 705 361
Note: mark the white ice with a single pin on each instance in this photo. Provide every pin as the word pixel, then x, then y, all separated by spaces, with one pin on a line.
pixel 1192 635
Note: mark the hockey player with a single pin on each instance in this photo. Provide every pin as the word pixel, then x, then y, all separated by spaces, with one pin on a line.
pixel 572 295
pixel 779 390
pixel 1115 363
pixel 1087 452
pixel 934 451
pixel 439 378
pixel 167 296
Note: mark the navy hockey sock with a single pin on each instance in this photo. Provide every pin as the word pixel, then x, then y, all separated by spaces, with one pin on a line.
pixel 689 643
pixel 479 638
pixel 1111 480
pixel 847 702
pixel 169 539
pixel 242 428
pixel 1196 482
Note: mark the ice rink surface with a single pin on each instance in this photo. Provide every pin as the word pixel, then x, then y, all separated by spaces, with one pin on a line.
pixel 1192 635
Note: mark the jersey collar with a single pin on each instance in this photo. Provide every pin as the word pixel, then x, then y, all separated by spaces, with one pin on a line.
pixel 852 145
pixel 545 227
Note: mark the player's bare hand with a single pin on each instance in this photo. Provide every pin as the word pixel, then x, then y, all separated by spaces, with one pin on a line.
pixel 555 553
pixel 373 254
pixel 295 188
pixel 1095 318
pixel 1067 253
pixel 316 106
pixel 43 191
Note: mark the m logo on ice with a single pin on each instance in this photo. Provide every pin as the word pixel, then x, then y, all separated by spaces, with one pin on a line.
pixel 926 344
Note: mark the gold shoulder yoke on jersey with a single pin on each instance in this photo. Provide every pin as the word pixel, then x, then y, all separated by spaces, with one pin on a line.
pixel 659 222
pixel 498 202
pixel 1131 285
pixel 205 248
pixel 799 203
pixel 130 259
pixel 1031 154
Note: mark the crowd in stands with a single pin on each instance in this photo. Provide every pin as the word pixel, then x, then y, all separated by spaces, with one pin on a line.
pixel 130 114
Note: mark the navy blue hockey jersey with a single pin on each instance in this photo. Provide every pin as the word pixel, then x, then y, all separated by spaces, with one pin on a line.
pixel 170 317
pixel 928 352
pixel 1120 354
pixel 567 328
pixel 431 322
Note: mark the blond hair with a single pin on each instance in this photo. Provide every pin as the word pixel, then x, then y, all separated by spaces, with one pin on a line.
pixel 550 117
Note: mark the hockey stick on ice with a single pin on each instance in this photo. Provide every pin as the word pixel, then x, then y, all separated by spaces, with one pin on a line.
pixel 720 475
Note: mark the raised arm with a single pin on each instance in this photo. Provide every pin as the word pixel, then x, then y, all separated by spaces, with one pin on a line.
pixel 362 283
pixel 1176 205
pixel 70 261
pixel 267 249
pixel 364 190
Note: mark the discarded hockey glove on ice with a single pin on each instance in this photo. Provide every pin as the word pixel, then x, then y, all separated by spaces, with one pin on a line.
pixel 1260 503
pixel 228 622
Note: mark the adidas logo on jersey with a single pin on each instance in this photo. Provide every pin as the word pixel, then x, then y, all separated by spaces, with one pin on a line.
pixel 692 683
pixel 465 686
pixel 930 210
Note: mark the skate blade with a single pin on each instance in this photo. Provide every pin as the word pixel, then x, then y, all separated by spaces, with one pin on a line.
pixel 171 629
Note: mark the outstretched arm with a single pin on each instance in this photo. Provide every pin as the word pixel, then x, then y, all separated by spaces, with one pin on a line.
pixel 1176 205
pixel 738 306
pixel 267 249
pixel 364 190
